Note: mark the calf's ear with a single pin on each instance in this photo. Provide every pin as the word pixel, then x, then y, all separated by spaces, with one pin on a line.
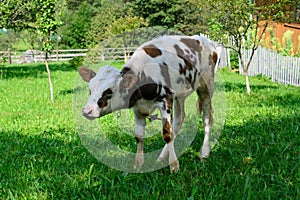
pixel 86 73
pixel 129 80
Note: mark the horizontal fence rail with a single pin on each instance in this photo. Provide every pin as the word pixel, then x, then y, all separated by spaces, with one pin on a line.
pixel 31 56
pixel 117 53
pixel 282 69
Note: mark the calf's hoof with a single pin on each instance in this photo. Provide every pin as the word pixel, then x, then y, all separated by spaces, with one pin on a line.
pixel 174 166
pixel 204 154
pixel 138 163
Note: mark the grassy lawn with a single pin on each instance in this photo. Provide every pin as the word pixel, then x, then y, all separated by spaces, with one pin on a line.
pixel 257 157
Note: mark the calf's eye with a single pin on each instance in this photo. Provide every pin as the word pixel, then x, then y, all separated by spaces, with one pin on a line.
pixel 107 93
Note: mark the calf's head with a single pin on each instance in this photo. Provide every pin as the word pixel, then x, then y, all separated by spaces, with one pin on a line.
pixel 102 86
pixel 107 89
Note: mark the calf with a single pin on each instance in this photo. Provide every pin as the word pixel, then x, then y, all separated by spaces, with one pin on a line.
pixel 160 75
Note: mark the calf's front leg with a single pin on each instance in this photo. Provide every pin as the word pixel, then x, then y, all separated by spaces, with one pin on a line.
pixel 140 123
pixel 179 115
pixel 168 134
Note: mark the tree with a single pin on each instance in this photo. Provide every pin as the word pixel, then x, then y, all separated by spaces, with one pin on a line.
pixel 245 23
pixel 73 5
pixel 186 16
pixel 47 23
pixel 6 38
pixel 41 16
pixel 76 25
pixel 125 24
pixel 17 15
pixel 194 17
pixel 100 27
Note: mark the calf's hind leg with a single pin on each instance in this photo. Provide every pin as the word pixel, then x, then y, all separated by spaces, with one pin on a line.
pixel 205 92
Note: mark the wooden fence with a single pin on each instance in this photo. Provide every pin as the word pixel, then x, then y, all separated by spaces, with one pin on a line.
pixel 282 69
pixel 116 53
pixel 31 56
pixel 224 57
pixel 123 54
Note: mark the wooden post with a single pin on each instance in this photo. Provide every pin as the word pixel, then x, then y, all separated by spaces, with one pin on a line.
pixel 102 55
pixel 9 56
pixel 124 53
pixel 56 55
pixel 228 58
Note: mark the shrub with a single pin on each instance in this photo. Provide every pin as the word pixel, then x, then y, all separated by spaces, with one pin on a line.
pixel 76 61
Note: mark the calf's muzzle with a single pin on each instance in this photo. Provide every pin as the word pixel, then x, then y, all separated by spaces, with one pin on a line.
pixel 88 112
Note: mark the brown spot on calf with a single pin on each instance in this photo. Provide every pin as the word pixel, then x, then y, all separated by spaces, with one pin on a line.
pixel 152 51
pixel 192 44
pixel 166 131
pixel 164 69
pixel 188 62
pixel 213 59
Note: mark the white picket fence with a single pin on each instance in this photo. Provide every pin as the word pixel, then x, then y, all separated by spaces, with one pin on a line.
pixel 282 69
pixel 224 57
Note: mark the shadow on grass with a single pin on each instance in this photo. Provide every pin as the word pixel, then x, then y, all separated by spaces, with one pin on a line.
pixel 285 100
pixel 266 150
pixel 67 91
pixel 258 158
pixel 51 161
pixel 268 95
pixel 32 70
pixel 241 88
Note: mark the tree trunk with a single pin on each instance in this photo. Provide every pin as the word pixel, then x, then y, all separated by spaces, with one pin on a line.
pixel 247 82
pixel 228 58
pixel 49 79
pixel 245 69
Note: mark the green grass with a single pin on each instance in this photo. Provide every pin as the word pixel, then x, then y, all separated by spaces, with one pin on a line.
pixel 257 157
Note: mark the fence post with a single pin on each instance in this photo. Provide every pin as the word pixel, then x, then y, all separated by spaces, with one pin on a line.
pixel 9 56
pixel 102 55
pixel 56 55
pixel 125 55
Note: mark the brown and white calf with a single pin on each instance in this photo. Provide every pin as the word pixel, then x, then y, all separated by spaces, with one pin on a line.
pixel 160 75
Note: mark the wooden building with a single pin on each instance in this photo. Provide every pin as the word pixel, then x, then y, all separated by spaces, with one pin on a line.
pixel 281 35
